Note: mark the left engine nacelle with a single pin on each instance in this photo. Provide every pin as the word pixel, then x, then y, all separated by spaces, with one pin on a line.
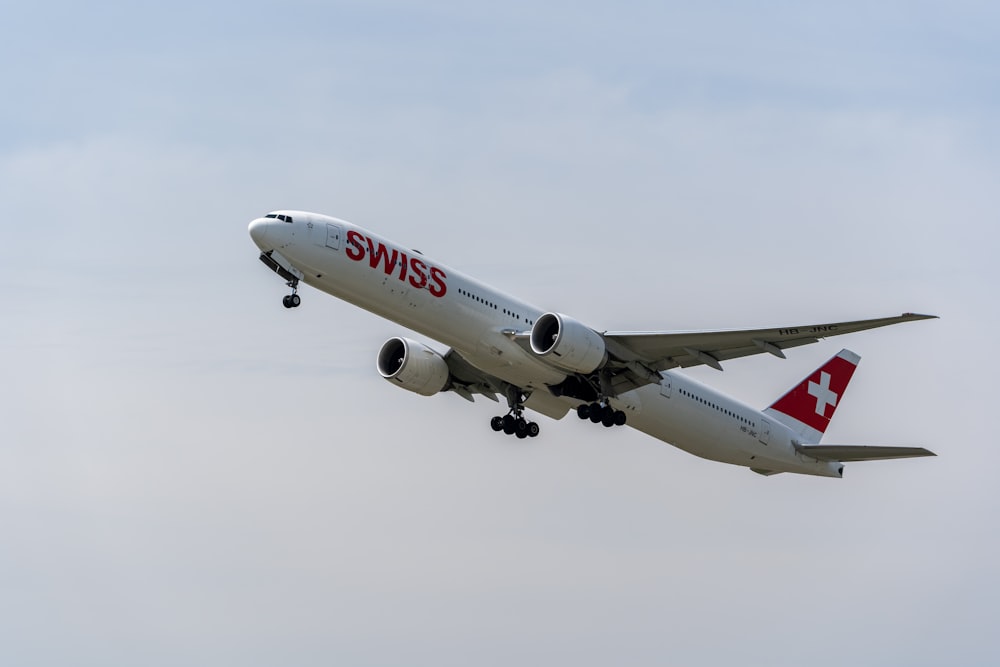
pixel 413 366
pixel 571 344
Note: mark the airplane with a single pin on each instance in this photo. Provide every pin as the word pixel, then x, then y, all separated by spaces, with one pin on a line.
pixel 550 363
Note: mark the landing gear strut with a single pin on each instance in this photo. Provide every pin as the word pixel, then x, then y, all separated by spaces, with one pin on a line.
pixel 514 423
pixel 292 300
pixel 600 413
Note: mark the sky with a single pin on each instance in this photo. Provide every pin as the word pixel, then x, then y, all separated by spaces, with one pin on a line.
pixel 192 475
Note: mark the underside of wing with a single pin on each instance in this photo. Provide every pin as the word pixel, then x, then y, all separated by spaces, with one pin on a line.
pixel 466 380
pixel 664 350
pixel 847 453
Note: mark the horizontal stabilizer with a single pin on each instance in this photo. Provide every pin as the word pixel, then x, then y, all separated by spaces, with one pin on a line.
pixel 845 453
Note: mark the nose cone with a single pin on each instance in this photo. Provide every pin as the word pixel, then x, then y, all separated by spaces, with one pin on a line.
pixel 258 232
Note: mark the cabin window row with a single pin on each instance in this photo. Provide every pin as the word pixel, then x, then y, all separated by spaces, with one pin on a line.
pixel 479 299
pixel 490 304
pixel 728 413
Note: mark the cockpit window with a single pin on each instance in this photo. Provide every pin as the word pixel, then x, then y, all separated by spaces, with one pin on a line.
pixel 279 216
pixel 271 215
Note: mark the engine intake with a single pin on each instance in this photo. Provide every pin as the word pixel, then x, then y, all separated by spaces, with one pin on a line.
pixel 413 366
pixel 568 343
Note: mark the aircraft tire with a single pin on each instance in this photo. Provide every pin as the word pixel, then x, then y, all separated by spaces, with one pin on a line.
pixel 286 301
pixel 620 418
pixel 509 425
pixel 533 430
pixel 496 423
pixel 596 412
pixel 583 411
pixel 608 419
pixel 295 300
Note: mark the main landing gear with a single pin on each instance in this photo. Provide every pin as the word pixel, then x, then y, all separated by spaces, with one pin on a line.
pixel 601 414
pixel 292 300
pixel 514 423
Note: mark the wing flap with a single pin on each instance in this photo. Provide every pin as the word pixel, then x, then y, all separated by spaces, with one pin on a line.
pixel 847 453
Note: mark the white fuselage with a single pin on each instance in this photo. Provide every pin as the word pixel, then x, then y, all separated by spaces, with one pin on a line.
pixel 404 286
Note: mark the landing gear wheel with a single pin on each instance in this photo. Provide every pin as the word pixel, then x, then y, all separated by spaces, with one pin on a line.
pixel 292 300
pixel 601 414
pixel 509 425
pixel 496 423
pixel 533 430
pixel 596 412
pixel 521 435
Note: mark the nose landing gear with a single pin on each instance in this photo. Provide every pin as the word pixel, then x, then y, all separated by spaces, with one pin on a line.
pixel 292 300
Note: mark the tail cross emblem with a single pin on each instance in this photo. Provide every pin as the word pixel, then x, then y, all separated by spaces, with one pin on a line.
pixel 824 395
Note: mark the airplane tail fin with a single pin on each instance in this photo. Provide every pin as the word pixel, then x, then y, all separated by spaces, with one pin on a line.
pixel 808 408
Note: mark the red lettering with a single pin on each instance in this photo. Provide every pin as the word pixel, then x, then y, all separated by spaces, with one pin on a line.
pixel 438 276
pixel 380 255
pixel 355 250
pixel 403 264
pixel 411 269
pixel 418 277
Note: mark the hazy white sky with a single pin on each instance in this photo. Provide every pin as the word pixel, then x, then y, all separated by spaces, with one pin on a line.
pixel 192 475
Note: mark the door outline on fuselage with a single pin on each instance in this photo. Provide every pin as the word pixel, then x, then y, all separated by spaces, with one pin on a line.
pixel 333 234
pixel 666 387
pixel 765 431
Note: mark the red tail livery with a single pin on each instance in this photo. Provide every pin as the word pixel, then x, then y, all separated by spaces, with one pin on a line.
pixel 815 399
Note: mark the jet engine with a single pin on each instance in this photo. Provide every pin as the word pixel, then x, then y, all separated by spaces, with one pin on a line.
pixel 567 343
pixel 413 366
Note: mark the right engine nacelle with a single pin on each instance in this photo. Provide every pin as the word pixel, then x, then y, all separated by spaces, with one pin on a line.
pixel 413 366
pixel 572 345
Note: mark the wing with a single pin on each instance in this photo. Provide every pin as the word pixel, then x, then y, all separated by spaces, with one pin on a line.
pixel 660 351
pixel 636 358
pixel 467 381
pixel 845 453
